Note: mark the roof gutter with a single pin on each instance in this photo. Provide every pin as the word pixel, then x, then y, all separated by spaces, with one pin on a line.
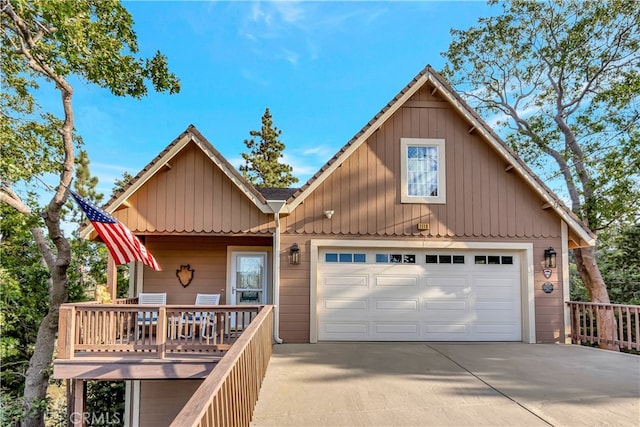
pixel 277 206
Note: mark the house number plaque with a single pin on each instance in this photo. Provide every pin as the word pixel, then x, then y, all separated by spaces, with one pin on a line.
pixel 547 287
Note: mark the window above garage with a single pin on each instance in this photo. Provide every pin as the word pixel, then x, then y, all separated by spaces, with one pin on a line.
pixel 423 170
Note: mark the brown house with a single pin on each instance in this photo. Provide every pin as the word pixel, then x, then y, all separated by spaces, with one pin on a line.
pixel 425 226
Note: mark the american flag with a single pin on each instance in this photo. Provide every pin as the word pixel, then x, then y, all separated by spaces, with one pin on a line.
pixel 123 246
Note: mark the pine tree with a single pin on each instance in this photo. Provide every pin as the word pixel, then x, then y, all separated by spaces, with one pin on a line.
pixel 85 185
pixel 262 164
pixel 88 259
pixel 121 183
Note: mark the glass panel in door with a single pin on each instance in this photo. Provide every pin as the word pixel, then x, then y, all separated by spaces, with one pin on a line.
pixel 248 283
pixel 249 278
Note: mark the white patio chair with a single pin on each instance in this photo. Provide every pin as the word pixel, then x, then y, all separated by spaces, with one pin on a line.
pixel 206 319
pixel 207 299
pixel 149 318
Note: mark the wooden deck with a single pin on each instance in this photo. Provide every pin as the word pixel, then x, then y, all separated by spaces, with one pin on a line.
pixel 135 367
pixel 131 341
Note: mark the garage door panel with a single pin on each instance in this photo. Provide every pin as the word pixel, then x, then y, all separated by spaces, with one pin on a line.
pixel 446 282
pixel 397 281
pixel 497 313
pixel 448 329
pixel 493 282
pixel 494 317
pixel 493 285
pixel 396 327
pixel 348 329
pixel 446 304
pixel 493 305
pixel 497 328
pixel 346 304
pixel 397 305
pixel 450 292
pixel 489 293
pixel 347 281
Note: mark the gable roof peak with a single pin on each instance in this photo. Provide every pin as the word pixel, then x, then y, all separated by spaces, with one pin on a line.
pixel 429 75
pixel 190 135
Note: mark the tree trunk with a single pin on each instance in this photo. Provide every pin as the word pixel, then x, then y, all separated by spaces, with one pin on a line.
pixel 37 376
pixel 590 273
pixel 39 370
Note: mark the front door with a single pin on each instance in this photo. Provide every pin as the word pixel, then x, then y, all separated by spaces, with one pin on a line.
pixel 248 278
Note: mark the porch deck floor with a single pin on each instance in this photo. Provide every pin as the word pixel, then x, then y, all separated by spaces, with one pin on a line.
pixel 178 363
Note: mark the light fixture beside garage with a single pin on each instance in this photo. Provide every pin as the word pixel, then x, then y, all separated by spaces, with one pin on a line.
pixel 328 213
pixel 550 258
pixel 294 254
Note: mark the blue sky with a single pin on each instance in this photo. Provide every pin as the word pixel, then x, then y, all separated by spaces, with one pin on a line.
pixel 324 69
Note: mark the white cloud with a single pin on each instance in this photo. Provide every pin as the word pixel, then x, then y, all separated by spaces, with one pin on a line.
pixel 299 28
pixel 251 76
pixel 307 161
pixel 290 56
pixel 496 119
pixel 290 12
pixel 303 168
pixel 236 162
pixel 320 151
pixel 107 175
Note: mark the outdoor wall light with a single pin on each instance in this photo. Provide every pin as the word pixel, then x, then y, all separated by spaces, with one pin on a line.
pixel 550 258
pixel 294 252
pixel 328 214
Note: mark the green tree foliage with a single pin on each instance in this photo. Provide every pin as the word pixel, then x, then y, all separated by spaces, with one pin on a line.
pixel 46 42
pixel 85 185
pixel 88 259
pixel 619 260
pixel 563 79
pixel 23 303
pixel 106 399
pixel 262 164
pixel 121 183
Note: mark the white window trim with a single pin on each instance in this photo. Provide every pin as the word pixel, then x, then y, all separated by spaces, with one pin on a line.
pixel 442 185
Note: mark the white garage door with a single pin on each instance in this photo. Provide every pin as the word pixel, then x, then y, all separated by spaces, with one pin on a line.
pixel 418 295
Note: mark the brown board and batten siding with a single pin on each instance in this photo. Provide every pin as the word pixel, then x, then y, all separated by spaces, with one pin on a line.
pixel 161 401
pixel 192 195
pixel 549 307
pixel 206 255
pixel 483 200
pixel 294 291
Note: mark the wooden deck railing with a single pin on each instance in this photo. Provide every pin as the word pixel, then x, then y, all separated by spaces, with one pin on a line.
pixel 149 330
pixel 584 329
pixel 227 397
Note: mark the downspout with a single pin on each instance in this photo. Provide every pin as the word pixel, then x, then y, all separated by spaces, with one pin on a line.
pixel 276 206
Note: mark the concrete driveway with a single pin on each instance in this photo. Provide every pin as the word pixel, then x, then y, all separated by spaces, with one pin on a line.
pixel 429 384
